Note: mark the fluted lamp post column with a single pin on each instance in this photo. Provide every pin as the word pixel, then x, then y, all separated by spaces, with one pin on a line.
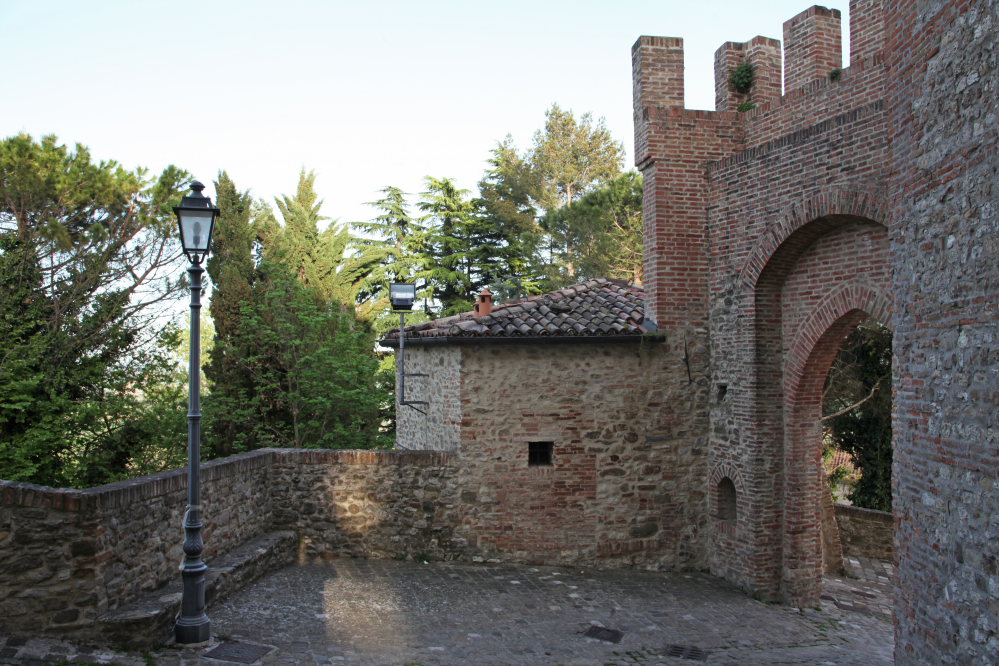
pixel 196 220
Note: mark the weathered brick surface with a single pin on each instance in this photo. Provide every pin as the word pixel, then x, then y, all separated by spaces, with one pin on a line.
pixel 865 532
pixel 771 228
pixel 764 55
pixel 945 243
pixel 812 46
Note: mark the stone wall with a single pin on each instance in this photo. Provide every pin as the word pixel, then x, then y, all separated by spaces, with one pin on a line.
pixel 629 465
pixel 942 99
pixel 865 532
pixel 437 426
pixel 369 503
pixel 69 556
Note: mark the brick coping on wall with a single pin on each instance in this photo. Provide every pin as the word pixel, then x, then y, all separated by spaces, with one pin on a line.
pixel 123 493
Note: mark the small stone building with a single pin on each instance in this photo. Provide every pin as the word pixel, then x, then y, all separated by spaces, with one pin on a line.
pixel 570 448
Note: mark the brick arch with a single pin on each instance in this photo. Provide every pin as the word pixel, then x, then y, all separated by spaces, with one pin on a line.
pixel 817 342
pixel 837 204
pixel 852 295
pixel 725 469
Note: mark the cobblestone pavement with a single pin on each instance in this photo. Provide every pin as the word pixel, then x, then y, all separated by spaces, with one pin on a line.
pixel 376 612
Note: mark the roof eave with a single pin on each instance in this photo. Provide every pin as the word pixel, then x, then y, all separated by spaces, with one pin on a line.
pixel 445 341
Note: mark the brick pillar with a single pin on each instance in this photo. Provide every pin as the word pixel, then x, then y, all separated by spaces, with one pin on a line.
pixel 728 56
pixel 813 46
pixel 657 69
pixel 764 54
pixel 866 29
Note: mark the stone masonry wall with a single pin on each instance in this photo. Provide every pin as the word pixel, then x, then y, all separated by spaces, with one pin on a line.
pixel 438 428
pixel 369 503
pixel 627 483
pixel 69 556
pixel 865 532
pixel 943 95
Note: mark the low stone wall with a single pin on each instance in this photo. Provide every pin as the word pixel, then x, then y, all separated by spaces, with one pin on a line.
pixel 69 556
pixel 865 532
pixel 369 503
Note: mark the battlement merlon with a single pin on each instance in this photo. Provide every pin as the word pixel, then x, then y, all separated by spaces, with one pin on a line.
pixel 866 29
pixel 813 46
pixel 657 70
pixel 763 53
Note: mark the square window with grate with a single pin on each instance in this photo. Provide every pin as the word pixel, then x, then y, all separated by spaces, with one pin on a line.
pixel 685 652
pixel 539 453
pixel 604 634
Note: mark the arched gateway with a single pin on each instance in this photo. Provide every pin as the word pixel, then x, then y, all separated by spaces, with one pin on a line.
pixel 766 244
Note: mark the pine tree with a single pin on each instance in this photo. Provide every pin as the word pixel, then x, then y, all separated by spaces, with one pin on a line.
pixel 459 251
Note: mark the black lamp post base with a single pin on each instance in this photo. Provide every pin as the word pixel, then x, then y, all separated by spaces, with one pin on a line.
pixel 193 630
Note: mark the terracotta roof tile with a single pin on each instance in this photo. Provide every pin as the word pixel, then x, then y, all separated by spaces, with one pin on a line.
pixel 593 308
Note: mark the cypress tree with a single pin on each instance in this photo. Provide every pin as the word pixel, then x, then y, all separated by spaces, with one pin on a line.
pixel 231 269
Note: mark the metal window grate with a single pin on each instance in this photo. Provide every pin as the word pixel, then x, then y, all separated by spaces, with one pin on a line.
pixel 243 653
pixel 685 652
pixel 539 453
pixel 600 633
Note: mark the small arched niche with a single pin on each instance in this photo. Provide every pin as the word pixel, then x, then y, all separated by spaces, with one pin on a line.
pixel 728 505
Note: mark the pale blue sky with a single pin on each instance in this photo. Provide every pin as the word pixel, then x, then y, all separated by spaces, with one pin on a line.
pixel 367 94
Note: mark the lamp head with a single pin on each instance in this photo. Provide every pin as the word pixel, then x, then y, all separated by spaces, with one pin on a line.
pixel 196 220
pixel 402 295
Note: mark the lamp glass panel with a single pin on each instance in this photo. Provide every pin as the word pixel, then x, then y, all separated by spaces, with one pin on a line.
pixel 401 292
pixel 195 229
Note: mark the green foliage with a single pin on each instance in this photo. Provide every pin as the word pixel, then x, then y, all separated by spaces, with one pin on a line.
pixel 313 372
pixel 746 106
pixel 741 77
pixel 605 229
pixel 567 160
pixel 835 73
pixel 861 378
pixel 323 261
pixel 86 251
pixel 569 157
pixel 231 268
pixel 392 235
pixel 459 251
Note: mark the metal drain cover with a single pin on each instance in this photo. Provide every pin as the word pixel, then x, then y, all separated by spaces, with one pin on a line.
pixel 243 653
pixel 686 652
pixel 609 635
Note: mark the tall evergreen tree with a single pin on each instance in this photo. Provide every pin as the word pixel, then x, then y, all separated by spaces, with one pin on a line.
pixel 329 261
pixel 505 202
pixel 231 270
pixel 86 253
pixel 459 251
pixel 605 229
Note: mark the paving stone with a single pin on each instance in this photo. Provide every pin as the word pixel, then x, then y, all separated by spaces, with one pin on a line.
pixel 382 612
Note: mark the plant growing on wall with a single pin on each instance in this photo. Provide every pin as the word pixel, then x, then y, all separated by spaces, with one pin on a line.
pixel 741 77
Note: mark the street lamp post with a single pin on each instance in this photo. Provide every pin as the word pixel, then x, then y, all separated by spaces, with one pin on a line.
pixel 402 296
pixel 196 220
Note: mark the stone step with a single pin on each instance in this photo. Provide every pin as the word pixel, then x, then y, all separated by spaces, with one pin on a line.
pixel 149 620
